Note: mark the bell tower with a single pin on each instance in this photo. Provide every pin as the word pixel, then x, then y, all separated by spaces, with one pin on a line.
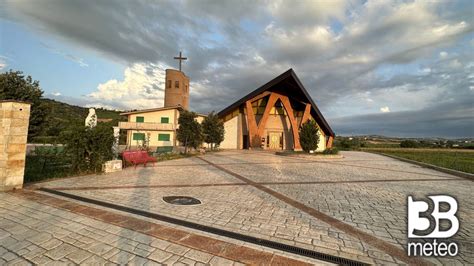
pixel 177 86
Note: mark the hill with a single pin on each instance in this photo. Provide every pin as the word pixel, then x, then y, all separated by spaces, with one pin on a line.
pixel 62 115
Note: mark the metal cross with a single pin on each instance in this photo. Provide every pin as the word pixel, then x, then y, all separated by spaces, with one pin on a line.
pixel 180 58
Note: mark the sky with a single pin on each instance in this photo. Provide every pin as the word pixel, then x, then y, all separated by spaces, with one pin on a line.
pixel 393 68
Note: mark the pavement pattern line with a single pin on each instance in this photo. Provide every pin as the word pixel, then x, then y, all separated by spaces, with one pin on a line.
pixel 312 255
pixel 390 249
pixel 246 184
pixel 297 160
pixel 203 243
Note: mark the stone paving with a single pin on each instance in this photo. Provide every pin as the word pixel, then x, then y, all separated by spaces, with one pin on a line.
pixel 32 233
pixel 362 190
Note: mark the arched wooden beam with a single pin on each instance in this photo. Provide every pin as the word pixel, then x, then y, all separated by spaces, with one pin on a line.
pixel 270 104
pixel 329 143
pixel 306 114
pixel 294 125
pixel 256 130
pixel 251 123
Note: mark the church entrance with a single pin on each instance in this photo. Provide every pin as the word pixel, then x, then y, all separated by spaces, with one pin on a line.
pixel 275 140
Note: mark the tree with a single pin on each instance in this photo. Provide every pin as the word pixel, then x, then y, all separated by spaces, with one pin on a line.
pixel 15 86
pixel 213 130
pixel 189 132
pixel 309 137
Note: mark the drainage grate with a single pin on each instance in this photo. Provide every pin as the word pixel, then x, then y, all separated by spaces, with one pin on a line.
pixel 250 239
pixel 181 200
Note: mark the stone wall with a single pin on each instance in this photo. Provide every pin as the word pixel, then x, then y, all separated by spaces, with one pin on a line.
pixel 14 117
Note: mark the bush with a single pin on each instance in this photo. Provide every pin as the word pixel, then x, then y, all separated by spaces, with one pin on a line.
pixel 345 143
pixel 409 144
pixel 88 148
pixel 44 139
pixel 331 151
pixel 47 162
pixel 309 137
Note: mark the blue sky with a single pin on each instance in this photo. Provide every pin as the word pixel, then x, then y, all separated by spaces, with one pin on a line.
pixel 60 67
pixel 372 67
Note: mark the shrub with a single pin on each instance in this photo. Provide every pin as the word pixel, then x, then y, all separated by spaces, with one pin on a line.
pixel 309 137
pixel 47 162
pixel 88 148
pixel 331 151
pixel 345 143
pixel 409 144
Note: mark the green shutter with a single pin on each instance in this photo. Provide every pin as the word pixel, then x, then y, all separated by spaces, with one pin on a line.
pixel 165 120
pixel 140 119
pixel 164 137
pixel 138 136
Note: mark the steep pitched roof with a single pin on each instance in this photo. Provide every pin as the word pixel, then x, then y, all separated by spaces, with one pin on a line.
pixel 290 78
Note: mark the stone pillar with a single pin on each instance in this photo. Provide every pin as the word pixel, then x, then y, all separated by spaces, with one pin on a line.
pixel 14 117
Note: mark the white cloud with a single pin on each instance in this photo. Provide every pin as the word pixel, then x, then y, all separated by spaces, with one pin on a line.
pixel 67 56
pixel 304 12
pixel 385 109
pixel 3 63
pixel 56 94
pixel 455 63
pixel 337 48
pixel 142 87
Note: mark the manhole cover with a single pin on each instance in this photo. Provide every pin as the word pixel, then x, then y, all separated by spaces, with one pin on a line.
pixel 181 200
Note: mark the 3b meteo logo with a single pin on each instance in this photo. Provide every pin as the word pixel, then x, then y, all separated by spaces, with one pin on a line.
pixel 424 221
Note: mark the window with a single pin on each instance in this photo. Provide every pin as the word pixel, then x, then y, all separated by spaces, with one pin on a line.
pixel 176 84
pixel 138 136
pixel 186 88
pixel 169 84
pixel 164 137
pixel 165 120
pixel 139 119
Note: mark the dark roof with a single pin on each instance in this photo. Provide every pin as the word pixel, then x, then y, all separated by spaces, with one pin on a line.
pixel 289 78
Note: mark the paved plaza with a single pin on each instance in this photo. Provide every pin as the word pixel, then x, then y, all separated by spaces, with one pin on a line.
pixel 352 208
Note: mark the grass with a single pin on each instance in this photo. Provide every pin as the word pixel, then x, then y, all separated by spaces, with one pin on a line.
pixel 460 160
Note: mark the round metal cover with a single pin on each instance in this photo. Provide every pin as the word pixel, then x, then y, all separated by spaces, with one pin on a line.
pixel 181 200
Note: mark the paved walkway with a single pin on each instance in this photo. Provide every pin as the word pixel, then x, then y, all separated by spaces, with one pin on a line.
pixel 353 208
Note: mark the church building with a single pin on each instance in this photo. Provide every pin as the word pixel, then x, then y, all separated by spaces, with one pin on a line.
pixel 266 118
pixel 270 117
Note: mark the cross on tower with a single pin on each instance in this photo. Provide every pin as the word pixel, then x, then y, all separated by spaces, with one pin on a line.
pixel 180 58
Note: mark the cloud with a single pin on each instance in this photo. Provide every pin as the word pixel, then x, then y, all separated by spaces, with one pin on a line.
pixel 3 62
pixel 142 87
pixel 67 56
pixel 56 94
pixel 352 56
pixel 385 109
pixel 446 120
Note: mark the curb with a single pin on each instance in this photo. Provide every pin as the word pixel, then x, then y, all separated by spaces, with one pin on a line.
pixel 430 166
pixel 314 156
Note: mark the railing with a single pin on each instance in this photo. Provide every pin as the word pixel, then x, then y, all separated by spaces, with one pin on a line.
pixel 146 126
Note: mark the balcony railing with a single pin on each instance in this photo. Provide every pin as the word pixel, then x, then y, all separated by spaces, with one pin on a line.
pixel 146 126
